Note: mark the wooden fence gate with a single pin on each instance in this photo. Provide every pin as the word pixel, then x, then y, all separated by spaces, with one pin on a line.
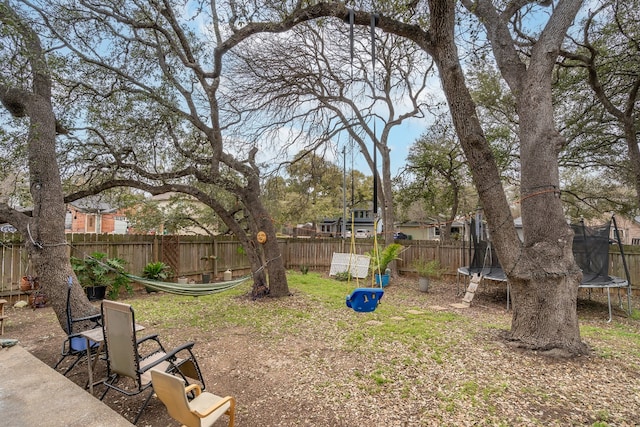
pixel 170 250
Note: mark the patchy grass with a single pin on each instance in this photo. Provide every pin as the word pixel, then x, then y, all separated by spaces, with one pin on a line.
pixel 309 360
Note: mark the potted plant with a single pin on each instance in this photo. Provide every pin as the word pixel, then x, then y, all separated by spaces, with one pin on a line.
pixel 380 261
pixel 100 275
pixel 427 270
pixel 156 271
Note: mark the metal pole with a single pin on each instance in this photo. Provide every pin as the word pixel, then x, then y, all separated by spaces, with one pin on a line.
pixel 344 192
pixel 624 264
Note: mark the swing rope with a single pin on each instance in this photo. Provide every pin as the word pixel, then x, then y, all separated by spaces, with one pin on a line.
pixel 376 249
pixel 366 299
pixel 376 254
pixel 352 245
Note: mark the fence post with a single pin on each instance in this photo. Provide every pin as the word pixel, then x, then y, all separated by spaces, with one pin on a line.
pixel 215 258
pixel 154 250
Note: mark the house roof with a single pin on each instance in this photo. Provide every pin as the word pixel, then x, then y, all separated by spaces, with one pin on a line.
pixel 92 204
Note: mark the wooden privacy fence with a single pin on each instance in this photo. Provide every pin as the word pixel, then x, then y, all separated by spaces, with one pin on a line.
pixel 190 256
pixel 203 257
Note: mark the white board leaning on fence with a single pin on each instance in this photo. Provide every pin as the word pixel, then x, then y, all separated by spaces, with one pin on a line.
pixel 357 265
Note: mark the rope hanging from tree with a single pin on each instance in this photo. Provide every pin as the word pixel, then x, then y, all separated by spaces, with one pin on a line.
pixel 366 299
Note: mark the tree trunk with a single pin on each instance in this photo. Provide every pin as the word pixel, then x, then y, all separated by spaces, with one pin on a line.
pixel 545 287
pixel 543 275
pixel 630 136
pixel 273 275
pixel 44 230
pixel 544 315
pixel 278 285
pixel 388 217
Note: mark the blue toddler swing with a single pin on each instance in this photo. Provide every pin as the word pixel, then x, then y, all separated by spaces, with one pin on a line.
pixel 365 299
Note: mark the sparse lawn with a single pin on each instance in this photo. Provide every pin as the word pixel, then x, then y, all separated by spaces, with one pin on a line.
pixel 415 361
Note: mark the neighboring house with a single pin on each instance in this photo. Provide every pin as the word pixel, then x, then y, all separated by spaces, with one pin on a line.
pixel 361 219
pixel 90 215
pixel 628 230
pixel 358 219
pixel 330 227
pixel 189 207
pixel 428 230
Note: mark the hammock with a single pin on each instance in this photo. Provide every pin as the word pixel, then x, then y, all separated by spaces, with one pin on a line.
pixel 192 289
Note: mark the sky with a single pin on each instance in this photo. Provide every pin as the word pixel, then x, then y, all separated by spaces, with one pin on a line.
pixel 400 141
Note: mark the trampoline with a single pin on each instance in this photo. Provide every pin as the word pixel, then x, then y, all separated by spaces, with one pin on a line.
pixel 483 261
pixel 591 252
pixel 590 249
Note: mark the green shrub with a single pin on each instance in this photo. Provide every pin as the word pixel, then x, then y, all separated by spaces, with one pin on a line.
pixel 157 271
pixel 343 276
pixel 99 270
pixel 384 256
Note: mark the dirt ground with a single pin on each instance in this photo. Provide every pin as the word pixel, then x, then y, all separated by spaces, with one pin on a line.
pixel 311 378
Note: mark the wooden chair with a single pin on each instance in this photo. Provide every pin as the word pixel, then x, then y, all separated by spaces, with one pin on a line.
pixel 2 315
pixel 203 411
pixel 132 359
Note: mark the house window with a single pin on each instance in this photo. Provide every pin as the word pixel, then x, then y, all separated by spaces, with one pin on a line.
pixel 68 220
pixel 635 241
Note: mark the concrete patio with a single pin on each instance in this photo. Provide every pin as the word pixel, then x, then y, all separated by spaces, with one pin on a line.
pixel 32 394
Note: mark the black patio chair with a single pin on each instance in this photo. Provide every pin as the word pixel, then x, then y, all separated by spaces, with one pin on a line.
pixel 75 345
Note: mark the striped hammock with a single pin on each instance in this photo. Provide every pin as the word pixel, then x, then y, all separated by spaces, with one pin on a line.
pixel 189 289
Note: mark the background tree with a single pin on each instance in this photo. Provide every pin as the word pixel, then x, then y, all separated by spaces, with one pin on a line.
pixel 314 188
pixel 178 214
pixel 599 79
pixel 436 174
pixel 496 107
pixel 311 188
pixel 594 196
pixel 310 80
pixel 152 87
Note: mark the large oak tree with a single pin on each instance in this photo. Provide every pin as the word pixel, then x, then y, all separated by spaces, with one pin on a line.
pixel 26 94
pixel 543 274
pixel 156 117
pixel 322 80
